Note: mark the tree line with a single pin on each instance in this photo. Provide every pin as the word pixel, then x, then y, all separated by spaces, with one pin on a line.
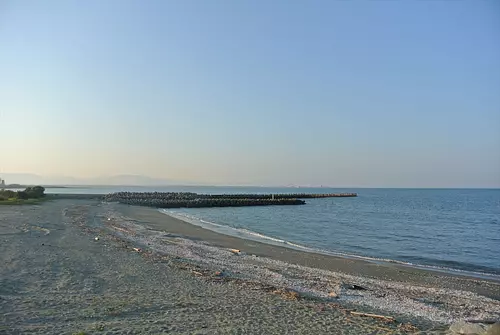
pixel 32 192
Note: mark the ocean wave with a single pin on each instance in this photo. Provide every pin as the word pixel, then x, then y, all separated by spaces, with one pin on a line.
pixel 262 236
pixel 233 231
pixel 252 235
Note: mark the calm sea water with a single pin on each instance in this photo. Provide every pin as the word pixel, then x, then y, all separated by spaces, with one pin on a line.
pixel 452 228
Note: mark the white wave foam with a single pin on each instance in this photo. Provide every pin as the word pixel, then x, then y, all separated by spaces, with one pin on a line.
pixel 251 235
pixel 265 237
pixel 192 219
pixel 233 231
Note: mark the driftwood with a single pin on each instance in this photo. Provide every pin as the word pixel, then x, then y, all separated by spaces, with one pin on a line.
pixel 354 287
pixel 386 318
pixel 333 295
pixel 197 273
pixel 287 294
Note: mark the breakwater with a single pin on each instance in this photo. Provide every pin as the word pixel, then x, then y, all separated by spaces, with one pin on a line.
pixel 194 200
pixel 198 203
pixel 281 196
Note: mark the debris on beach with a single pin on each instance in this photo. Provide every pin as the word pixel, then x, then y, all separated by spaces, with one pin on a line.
pixel 44 230
pixel 287 294
pixel 333 294
pixel 219 266
pixel 123 230
pixel 376 316
pixel 96 238
pixel 408 328
pixel 354 287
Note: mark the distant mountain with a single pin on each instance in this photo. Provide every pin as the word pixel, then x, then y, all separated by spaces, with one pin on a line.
pixel 130 180
pixel 118 180
pixel 22 178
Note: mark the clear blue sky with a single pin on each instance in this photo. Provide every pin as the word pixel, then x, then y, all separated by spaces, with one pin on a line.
pixel 343 93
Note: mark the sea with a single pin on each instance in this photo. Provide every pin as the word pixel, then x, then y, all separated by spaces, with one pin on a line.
pixel 447 229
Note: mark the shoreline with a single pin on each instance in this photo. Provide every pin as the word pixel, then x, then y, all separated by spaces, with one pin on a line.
pixel 257 237
pixel 352 266
pixel 411 295
pixel 87 265
pixel 65 272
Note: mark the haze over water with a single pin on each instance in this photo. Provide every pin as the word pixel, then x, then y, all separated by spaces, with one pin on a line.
pixel 338 93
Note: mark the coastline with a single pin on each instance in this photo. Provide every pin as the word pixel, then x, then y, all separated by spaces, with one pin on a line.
pixel 257 237
pixel 349 265
pixel 72 267
pixel 87 265
pixel 422 297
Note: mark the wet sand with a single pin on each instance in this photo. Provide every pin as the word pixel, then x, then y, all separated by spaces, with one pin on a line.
pixel 357 267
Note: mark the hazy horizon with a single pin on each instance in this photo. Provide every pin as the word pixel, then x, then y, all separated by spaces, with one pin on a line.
pixel 146 181
pixel 338 93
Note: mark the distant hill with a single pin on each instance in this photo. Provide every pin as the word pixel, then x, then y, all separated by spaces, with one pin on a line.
pixel 130 180
pixel 21 178
pixel 122 180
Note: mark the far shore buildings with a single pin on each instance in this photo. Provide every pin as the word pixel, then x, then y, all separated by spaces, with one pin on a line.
pixel 2 184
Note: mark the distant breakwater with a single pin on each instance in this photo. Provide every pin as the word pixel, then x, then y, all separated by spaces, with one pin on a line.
pixel 194 200
pixel 282 196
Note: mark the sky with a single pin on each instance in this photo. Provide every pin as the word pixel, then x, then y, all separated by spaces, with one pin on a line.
pixel 338 93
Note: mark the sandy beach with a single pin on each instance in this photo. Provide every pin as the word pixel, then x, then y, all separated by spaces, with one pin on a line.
pixel 357 267
pixel 82 266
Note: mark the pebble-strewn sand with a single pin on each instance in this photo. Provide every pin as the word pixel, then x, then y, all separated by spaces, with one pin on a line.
pixel 56 278
pixel 392 289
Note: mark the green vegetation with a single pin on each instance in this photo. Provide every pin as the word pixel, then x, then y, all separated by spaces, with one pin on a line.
pixel 30 195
